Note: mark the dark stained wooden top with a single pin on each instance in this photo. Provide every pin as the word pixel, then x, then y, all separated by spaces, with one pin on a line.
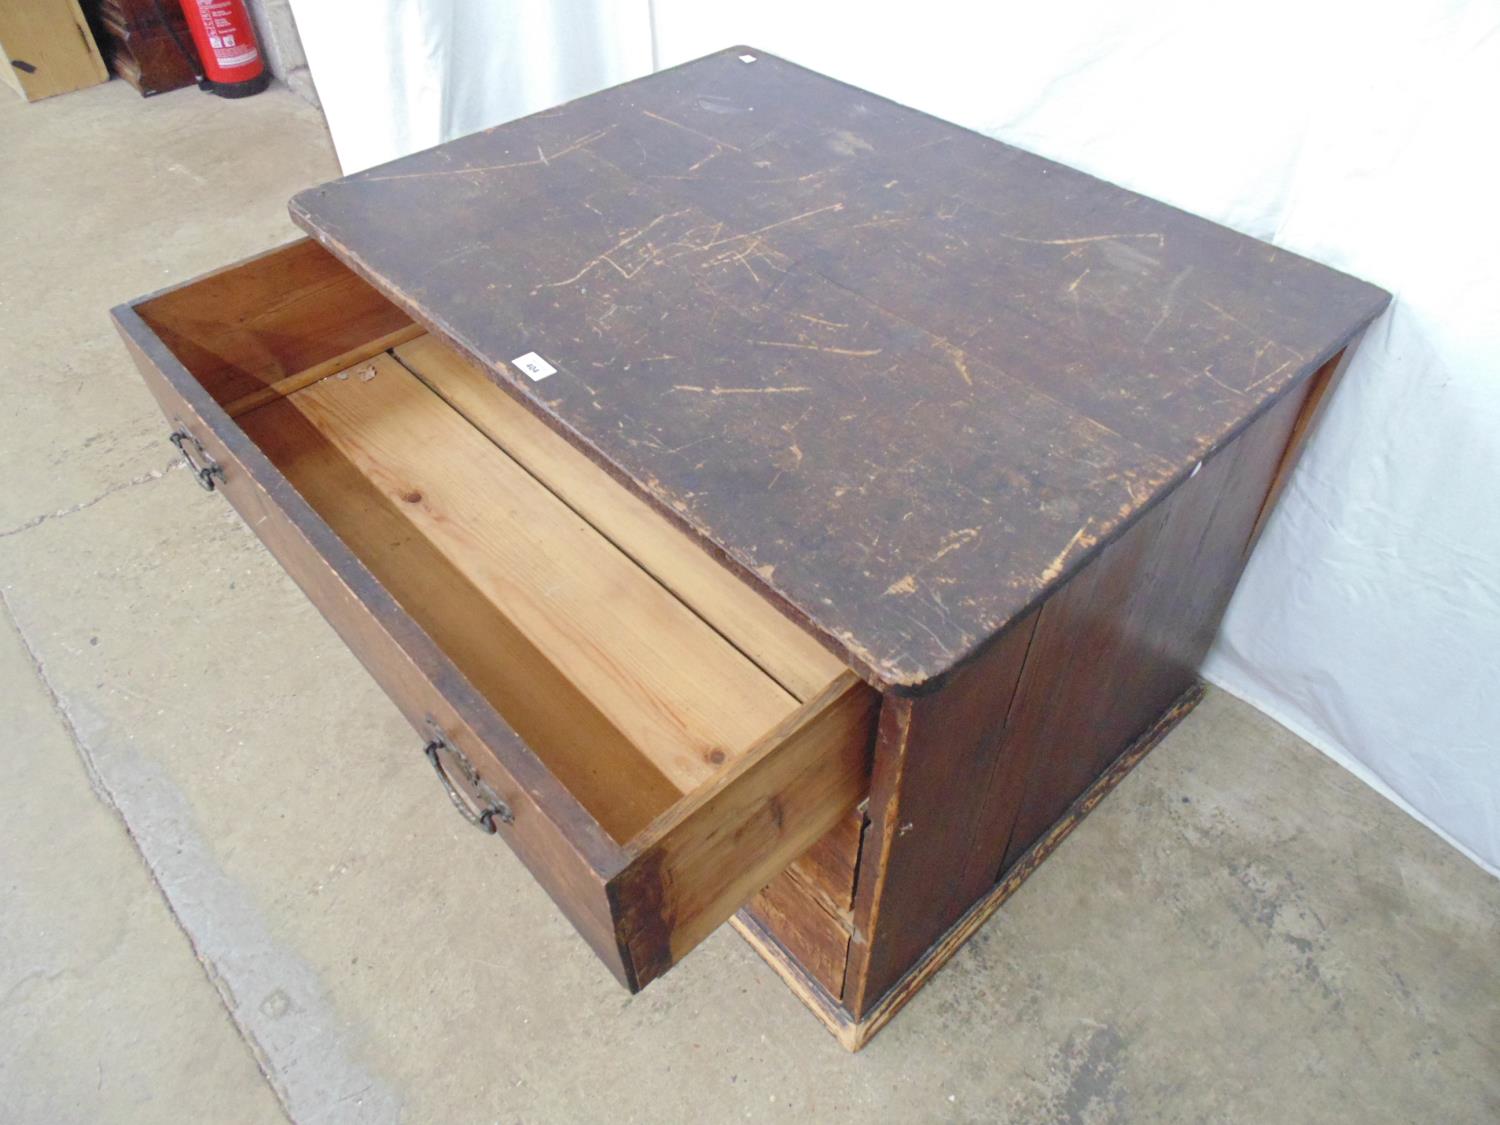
pixel 906 377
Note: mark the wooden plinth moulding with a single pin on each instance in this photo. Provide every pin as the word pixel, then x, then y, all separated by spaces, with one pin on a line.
pixel 855 1033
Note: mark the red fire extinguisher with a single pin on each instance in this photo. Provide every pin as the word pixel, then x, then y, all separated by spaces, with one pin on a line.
pixel 231 62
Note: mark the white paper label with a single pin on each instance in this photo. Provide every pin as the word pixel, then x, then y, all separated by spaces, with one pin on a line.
pixel 747 58
pixel 534 367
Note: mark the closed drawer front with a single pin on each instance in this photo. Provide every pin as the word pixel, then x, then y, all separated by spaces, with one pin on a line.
pixel 809 908
pixel 828 868
pixel 653 739
pixel 797 916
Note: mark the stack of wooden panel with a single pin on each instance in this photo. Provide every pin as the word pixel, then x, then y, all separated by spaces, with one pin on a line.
pixel 138 40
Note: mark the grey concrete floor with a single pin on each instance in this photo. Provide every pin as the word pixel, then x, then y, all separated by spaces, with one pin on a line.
pixel 230 892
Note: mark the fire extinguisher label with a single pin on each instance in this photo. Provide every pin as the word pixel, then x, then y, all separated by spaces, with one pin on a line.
pixel 230 55
pixel 222 39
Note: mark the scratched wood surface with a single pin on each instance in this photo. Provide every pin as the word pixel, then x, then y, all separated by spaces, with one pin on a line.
pixel 905 377
pixel 968 778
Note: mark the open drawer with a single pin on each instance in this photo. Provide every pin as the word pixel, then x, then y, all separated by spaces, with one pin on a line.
pixel 654 740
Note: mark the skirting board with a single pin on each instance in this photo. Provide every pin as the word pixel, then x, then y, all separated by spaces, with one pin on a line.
pixel 854 1034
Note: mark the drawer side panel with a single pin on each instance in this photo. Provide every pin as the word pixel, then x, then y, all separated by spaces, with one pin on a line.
pixel 702 862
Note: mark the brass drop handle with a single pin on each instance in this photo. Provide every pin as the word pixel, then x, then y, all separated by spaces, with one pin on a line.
pixel 477 803
pixel 204 467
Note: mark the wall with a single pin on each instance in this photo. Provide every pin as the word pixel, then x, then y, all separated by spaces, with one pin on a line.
pixel 276 30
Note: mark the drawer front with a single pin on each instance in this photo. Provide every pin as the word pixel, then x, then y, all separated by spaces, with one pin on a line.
pixel 557 841
pixel 641 899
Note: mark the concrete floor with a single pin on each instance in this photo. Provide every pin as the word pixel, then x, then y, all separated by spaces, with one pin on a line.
pixel 230 891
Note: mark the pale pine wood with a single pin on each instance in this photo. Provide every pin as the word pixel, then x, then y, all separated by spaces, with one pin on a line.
pixel 318 371
pixel 51 39
pixel 355 518
pixel 676 689
pixel 788 654
pixel 808 880
pixel 603 770
pixel 562 845
pixel 729 839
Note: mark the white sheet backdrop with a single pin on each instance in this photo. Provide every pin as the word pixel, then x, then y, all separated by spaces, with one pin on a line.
pixel 396 76
pixel 1361 134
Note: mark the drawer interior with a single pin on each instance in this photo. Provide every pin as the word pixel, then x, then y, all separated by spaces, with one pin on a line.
pixel 635 666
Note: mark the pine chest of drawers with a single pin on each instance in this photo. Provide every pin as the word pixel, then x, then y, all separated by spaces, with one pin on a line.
pixel 767 503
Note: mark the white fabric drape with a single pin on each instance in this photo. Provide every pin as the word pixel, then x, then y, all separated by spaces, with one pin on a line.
pixel 396 76
pixel 1361 134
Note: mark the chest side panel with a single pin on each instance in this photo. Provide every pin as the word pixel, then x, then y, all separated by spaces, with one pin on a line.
pixel 968 778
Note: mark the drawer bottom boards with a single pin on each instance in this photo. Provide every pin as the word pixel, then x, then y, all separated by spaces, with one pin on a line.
pixel 617 690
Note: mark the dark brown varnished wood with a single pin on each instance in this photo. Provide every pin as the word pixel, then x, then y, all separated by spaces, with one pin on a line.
pixel 968 778
pixel 767 940
pixel 998 435
pixel 809 933
pixel 907 378
pixel 145 42
pixel 1114 652
pixel 936 753
pixel 1319 392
